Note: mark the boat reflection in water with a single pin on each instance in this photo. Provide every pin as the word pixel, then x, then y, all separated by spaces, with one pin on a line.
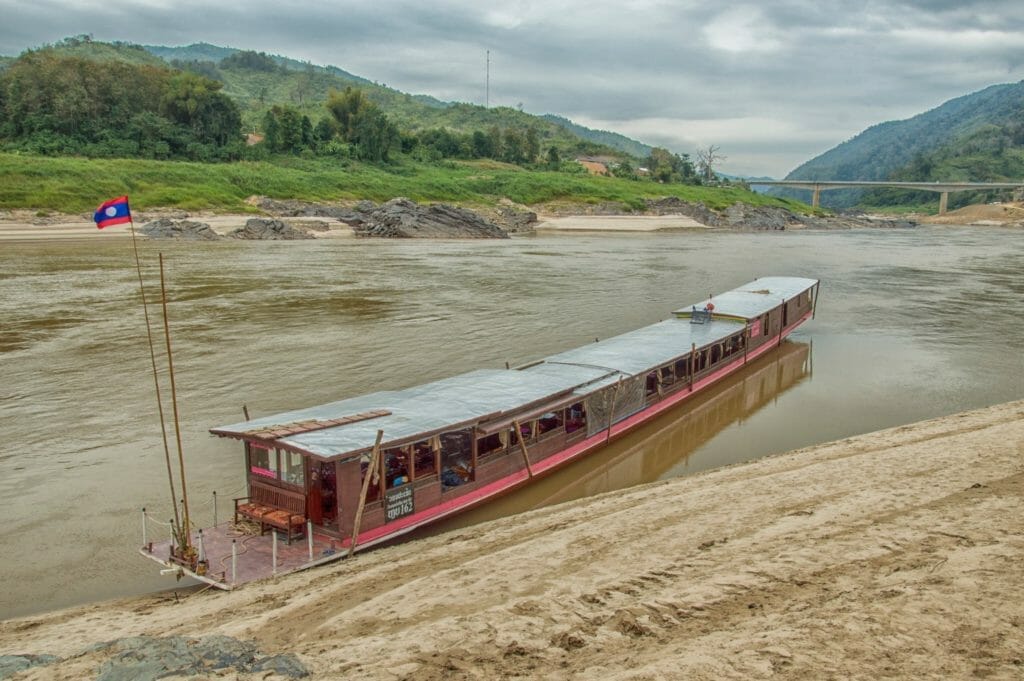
pixel 654 450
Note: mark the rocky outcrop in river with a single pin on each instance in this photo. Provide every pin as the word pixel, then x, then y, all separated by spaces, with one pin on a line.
pixel 166 228
pixel 268 229
pixel 766 218
pixel 404 219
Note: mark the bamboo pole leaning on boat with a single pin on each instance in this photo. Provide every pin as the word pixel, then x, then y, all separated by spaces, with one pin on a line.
pixel 522 446
pixel 370 472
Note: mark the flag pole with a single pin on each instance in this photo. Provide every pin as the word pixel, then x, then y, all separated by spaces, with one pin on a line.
pixel 187 529
pixel 156 380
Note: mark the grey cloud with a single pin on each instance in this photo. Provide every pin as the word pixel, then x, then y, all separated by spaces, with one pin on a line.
pixel 811 73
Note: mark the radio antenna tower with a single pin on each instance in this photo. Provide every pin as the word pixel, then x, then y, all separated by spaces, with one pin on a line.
pixel 487 100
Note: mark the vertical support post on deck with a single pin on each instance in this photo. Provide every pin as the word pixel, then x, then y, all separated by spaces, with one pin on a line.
pixel 611 412
pixel 782 325
pixel 522 447
pixel 234 561
pixel 309 537
pixel 171 523
pixel 145 543
pixel 202 548
pixel 814 305
pixel 366 486
pixel 693 362
pixel 215 508
pixel 273 562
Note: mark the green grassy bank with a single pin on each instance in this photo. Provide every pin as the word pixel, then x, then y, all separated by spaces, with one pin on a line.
pixel 74 185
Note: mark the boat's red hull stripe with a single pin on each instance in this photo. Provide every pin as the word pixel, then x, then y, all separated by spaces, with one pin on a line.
pixel 549 464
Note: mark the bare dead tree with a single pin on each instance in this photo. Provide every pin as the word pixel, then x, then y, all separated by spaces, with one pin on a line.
pixel 707 159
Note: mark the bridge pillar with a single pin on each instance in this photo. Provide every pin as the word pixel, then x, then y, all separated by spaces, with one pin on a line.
pixel 816 197
pixel 943 202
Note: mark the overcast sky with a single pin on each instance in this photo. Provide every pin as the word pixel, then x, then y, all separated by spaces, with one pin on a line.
pixel 772 83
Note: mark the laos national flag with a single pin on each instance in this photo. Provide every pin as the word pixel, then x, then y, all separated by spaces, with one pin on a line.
pixel 113 212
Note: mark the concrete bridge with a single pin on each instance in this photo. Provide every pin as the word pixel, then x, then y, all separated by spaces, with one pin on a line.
pixel 944 188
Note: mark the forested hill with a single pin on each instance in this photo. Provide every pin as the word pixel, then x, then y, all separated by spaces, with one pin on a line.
pixel 611 139
pixel 976 137
pixel 257 82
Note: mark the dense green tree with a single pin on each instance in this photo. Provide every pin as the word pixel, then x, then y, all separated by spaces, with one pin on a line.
pixel 531 145
pixel 513 146
pixel 361 123
pixel 554 159
pixel 197 103
pixel 665 166
pixel 481 145
pixel 253 61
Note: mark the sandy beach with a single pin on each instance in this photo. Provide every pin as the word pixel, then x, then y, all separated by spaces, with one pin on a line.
pixel 893 554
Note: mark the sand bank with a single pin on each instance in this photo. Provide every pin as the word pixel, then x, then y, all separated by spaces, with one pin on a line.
pixel 892 554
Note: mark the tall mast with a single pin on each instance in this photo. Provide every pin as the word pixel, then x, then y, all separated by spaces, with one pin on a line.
pixel 186 541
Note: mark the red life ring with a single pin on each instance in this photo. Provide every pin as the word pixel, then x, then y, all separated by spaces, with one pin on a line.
pixel 709 307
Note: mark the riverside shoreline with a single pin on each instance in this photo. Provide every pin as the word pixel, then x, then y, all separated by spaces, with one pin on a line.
pixel 889 554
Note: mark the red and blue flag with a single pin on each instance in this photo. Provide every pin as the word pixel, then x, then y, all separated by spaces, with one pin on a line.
pixel 112 212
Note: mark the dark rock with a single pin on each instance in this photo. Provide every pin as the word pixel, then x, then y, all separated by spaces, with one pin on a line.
pixel 673 205
pixel 291 208
pixel 266 229
pixel 401 218
pixel 12 664
pixel 166 228
pixel 145 658
pixel 513 220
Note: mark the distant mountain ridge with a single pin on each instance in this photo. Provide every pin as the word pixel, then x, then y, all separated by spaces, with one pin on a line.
pixel 888 149
pixel 214 53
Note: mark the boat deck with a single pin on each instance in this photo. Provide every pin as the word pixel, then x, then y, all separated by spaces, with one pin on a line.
pixel 255 555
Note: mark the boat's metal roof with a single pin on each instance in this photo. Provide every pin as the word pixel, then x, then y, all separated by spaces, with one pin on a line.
pixel 754 299
pixel 495 393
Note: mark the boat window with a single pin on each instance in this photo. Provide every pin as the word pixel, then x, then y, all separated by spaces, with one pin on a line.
pixel 292 470
pixel 373 490
pixel 263 461
pixel 488 445
pixel 701 362
pixel 682 368
pixel 456 458
pixel 716 353
pixel 652 383
pixel 396 467
pixel 553 420
pixel 576 419
pixel 667 375
pixel 426 463
pixel 528 430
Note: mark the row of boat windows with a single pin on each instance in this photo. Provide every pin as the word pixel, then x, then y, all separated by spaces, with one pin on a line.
pixel 679 371
pixel 452 453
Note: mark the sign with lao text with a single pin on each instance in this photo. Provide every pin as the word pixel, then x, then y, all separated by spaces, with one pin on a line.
pixel 398 503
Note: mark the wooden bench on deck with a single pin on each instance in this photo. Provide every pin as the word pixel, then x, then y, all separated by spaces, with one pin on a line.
pixel 273 507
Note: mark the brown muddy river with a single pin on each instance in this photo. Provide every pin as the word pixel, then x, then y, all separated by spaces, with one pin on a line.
pixel 911 324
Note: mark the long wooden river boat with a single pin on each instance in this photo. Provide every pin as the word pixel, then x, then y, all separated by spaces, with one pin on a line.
pixel 352 474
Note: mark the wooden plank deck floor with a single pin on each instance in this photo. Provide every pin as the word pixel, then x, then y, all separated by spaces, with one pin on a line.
pixel 255 554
